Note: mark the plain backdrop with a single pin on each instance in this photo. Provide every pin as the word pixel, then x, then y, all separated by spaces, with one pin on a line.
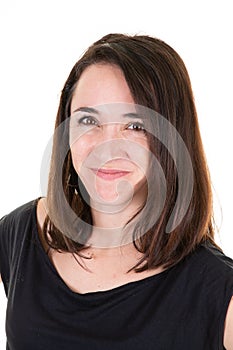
pixel 41 40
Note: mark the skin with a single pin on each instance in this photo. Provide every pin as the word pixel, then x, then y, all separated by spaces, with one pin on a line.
pixel 228 334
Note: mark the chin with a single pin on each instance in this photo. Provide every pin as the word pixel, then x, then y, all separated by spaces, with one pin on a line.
pixel 110 199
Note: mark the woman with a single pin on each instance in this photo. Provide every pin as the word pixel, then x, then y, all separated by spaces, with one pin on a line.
pixel 121 252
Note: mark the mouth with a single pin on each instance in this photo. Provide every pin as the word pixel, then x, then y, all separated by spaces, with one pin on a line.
pixel 110 174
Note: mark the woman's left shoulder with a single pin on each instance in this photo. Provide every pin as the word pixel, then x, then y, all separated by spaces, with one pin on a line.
pixel 213 261
pixel 217 277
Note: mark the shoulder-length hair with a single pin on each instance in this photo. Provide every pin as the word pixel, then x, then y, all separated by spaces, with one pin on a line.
pixel 157 79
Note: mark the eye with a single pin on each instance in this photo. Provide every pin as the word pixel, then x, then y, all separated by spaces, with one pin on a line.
pixel 136 126
pixel 88 120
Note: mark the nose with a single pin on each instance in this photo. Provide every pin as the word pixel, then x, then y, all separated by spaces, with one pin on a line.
pixel 111 131
pixel 112 143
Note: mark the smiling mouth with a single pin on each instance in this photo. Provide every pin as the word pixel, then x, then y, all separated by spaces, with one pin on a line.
pixel 110 174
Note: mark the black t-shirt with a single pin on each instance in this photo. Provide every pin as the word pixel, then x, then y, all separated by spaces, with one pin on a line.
pixel 182 308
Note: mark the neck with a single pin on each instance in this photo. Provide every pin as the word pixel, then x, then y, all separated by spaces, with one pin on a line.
pixel 110 227
pixel 110 230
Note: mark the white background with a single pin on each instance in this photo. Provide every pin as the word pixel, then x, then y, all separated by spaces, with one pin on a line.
pixel 41 40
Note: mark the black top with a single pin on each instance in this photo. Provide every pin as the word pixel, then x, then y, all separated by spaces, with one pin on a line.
pixel 181 308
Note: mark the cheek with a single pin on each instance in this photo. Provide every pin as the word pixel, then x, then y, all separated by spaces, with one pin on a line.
pixel 80 151
pixel 139 154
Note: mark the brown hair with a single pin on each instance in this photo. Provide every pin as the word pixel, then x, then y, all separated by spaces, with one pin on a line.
pixel 157 79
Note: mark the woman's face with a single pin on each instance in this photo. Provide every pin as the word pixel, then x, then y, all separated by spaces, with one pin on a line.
pixel 108 144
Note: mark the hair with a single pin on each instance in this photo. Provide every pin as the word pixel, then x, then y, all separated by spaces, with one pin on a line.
pixel 158 80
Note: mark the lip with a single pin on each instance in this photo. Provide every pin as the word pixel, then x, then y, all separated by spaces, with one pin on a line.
pixel 110 174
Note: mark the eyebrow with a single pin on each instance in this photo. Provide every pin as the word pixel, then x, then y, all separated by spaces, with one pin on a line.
pixel 86 109
pixel 95 111
pixel 133 115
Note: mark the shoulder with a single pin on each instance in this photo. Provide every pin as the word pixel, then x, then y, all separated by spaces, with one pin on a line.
pixel 16 221
pixel 208 273
pixel 214 270
pixel 218 275
pixel 19 214
pixel 211 261
pixel 14 228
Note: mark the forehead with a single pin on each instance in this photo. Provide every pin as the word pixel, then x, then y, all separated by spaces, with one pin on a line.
pixel 101 84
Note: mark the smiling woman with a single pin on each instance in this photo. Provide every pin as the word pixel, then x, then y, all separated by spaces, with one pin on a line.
pixel 121 253
pixel 110 154
pixel 103 141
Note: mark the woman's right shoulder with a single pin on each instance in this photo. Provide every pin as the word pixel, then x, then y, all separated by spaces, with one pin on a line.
pixel 16 225
pixel 18 221
pixel 19 214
